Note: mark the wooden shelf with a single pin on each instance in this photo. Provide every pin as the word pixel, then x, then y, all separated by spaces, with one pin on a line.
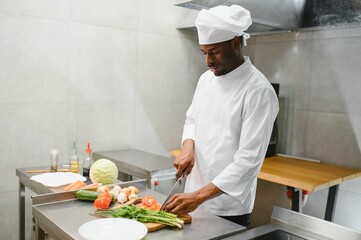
pixel 303 174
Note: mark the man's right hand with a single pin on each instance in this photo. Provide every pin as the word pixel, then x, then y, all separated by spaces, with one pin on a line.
pixel 185 160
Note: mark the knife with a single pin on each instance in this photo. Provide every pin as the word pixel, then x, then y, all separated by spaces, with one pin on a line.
pixel 174 190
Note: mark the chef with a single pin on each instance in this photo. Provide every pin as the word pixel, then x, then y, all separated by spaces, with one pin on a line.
pixel 229 123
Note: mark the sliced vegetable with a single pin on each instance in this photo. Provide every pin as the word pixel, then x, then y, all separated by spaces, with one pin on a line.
pixel 149 202
pixel 143 215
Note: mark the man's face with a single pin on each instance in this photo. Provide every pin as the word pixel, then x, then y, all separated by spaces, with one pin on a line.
pixel 223 57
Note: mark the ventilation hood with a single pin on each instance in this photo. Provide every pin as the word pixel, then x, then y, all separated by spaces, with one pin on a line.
pixel 269 16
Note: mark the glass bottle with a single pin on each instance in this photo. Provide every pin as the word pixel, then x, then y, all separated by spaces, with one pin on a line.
pixel 88 161
pixel 74 160
pixel 54 160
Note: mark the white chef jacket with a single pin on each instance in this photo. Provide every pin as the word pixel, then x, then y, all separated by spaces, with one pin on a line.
pixel 230 120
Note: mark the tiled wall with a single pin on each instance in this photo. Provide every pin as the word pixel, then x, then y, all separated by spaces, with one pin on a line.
pixel 118 74
pixel 320 117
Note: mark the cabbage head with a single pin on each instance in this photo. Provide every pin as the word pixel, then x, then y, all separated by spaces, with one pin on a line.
pixel 103 171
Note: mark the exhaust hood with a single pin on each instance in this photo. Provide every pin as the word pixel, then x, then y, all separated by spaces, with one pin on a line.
pixel 269 16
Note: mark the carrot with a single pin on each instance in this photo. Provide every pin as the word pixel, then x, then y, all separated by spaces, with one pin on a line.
pixel 67 188
pixel 77 186
pixel 91 185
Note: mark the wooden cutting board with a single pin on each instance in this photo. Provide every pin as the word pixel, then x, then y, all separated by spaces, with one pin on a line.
pixel 152 227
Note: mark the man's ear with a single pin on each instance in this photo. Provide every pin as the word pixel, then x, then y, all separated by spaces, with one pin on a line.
pixel 236 43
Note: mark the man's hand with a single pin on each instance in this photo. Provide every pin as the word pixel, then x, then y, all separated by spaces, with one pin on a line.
pixel 185 160
pixel 183 203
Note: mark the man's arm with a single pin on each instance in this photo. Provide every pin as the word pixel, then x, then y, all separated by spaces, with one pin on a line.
pixel 183 203
pixel 185 160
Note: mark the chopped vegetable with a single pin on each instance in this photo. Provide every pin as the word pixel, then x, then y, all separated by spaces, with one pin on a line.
pixel 143 215
pixel 103 201
pixel 149 202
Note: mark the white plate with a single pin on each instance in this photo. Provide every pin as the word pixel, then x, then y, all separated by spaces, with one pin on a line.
pixel 113 228
pixel 57 179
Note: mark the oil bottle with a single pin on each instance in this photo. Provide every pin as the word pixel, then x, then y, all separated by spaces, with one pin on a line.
pixel 74 159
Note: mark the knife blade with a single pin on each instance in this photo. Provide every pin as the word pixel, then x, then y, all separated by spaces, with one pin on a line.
pixel 174 190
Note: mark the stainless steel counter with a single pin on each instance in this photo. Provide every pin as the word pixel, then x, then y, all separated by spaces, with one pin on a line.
pixel 38 188
pixel 295 226
pixel 143 165
pixel 61 214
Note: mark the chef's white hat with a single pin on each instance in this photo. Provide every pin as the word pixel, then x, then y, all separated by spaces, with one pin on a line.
pixel 222 23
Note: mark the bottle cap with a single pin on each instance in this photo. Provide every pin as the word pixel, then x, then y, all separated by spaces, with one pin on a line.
pixel 54 151
pixel 88 150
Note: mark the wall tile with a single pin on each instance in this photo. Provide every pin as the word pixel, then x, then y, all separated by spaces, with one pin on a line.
pixel 107 66
pixel 161 17
pixel 159 126
pixel 353 185
pixel 197 64
pixel 163 77
pixel 291 131
pixel 333 138
pixel 335 76
pixel 287 63
pixel 49 9
pixel 29 132
pixel 34 60
pixel 106 127
pixel 120 14
pixel 348 209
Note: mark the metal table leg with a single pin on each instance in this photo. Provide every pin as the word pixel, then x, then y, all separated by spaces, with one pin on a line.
pixel 21 211
pixel 296 199
pixel 39 232
pixel 331 202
